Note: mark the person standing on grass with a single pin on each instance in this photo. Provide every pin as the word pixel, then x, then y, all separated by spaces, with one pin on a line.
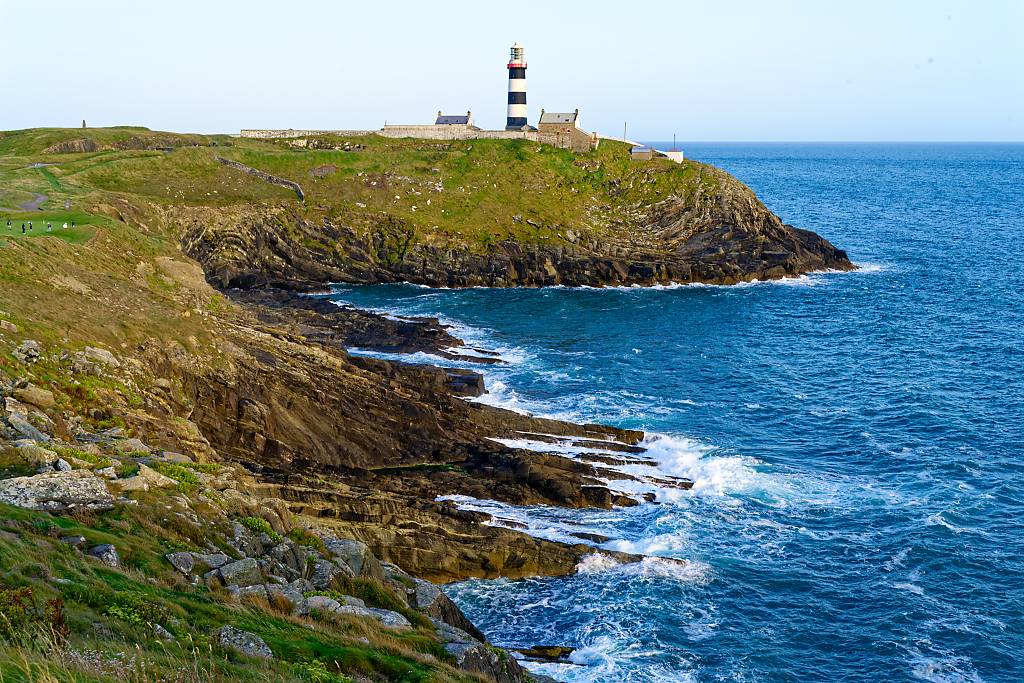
pixel 65 225
pixel 22 228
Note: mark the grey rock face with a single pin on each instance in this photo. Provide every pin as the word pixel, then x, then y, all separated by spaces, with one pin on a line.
pixel 62 465
pixel 182 561
pixel 107 554
pixel 25 429
pixel 57 492
pixel 356 555
pixel 28 351
pixel 243 642
pixel 325 574
pixel 101 356
pixel 241 573
pixel 384 616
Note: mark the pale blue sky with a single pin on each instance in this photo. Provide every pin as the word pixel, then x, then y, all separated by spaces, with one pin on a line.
pixel 706 70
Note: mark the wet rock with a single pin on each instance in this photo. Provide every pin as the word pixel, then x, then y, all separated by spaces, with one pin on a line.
pixel 547 653
pixel 107 554
pixel 432 601
pixel 243 642
pixel 57 492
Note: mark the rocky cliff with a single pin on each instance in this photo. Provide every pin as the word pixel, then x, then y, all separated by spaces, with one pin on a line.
pixel 725 236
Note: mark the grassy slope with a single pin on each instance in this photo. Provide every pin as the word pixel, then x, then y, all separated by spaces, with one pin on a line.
pixel 469 191
pixel 109 612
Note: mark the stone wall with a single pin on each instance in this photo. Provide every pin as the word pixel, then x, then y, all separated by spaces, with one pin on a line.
pixel 293 133
pixel 567 137
pixel 449 132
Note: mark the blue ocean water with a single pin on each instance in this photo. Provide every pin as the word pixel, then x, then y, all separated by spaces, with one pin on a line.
pixel 857 440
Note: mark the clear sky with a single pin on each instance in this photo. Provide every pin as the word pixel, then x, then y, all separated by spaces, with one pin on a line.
pixel 705 70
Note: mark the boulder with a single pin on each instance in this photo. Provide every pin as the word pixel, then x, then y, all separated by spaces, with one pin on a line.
pixel 184 562
pixel 243 642
pixel 325 574
pixel 107 554
pixel 28 351
pixel 58 492
pixel 133 446
pixel 25 429
pixel 383 616
pixel 323 604
pixel 288 553
pixel 107 472
pixel 211 560
pixel 31 455
pixel 73 541
pixel 147 478
pixel 8 326
pixel 103 356
pixel 161 633
pixel 36 396
pixel 241 573
pixel 356 555
pixel 285 594
pixel 62 465
pixel 432 601
pixel 245 542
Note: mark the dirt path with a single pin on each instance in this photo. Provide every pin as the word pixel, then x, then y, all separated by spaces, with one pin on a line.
pixel 34 203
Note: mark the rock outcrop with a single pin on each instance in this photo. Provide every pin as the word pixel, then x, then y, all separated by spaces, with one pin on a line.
pixel 723 237
pixel 58 492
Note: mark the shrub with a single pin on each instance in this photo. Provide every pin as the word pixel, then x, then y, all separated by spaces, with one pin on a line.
pixel 307 538
pixel 258 525
pixel 187 480
pixel 127 469
pixel 22 618
pixel 316 671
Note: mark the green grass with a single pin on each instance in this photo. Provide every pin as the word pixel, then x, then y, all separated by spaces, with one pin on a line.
pixel 126 602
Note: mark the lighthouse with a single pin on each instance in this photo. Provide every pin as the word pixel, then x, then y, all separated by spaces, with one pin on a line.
pixel 516 89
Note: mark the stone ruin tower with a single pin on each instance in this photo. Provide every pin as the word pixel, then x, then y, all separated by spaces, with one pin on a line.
pixel 516 89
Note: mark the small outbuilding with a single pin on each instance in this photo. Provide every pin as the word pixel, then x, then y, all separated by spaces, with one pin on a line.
pixel 563 130
pixel 642 153
pixel 454 119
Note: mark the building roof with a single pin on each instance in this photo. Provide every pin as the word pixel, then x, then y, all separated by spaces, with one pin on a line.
pixel 449 120
pixel 555 117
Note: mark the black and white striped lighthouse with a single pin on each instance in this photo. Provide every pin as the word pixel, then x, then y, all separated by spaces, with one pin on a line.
pixel 516 89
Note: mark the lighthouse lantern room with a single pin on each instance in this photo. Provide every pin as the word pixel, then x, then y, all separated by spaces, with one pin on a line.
pixel 516 89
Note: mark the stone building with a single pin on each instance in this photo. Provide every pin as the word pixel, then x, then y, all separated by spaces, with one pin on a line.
pixel 563 130
pixel 455 119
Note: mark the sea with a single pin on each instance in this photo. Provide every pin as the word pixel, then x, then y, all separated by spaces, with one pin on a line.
pixel 856 440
